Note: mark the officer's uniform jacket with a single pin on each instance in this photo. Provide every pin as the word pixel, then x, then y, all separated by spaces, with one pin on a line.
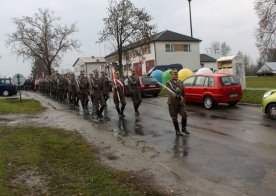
pixel 175 86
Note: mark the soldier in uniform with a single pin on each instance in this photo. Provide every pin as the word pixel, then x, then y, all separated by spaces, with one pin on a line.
pixel 98 98
pixel 118 94
pixel 84 88
pixel 105 84
pixel 134 89
pixel 176 103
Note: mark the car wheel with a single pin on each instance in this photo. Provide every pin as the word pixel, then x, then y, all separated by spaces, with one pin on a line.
pixel 271 111
pixel 6 93
pixel 233 103
pixel 208 102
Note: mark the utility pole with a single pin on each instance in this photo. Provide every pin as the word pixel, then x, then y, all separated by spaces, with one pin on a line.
pixel 190 18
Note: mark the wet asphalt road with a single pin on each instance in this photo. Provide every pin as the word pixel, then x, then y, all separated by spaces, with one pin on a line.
pixel 233 146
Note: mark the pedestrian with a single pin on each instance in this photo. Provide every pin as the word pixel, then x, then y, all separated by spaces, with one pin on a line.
pixel 176 103
pixel 118 94
pixel 134 89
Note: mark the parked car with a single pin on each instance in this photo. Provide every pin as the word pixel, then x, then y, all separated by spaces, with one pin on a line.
pixel 7 87
pixel 211 89
pixel 148 85
pixel 269 104
pixel 165 68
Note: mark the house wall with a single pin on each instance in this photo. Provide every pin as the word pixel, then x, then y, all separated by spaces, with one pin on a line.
pixel 190 60
pixel 86 67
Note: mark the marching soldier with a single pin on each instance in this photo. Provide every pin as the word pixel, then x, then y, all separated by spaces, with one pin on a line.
pixel 134 89
pixel 176 103
pixel 105 84
pixel 98 98
pixel 84 88
pixel 118 94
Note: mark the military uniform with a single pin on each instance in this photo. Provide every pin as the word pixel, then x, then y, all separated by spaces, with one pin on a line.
pixel 97 91
pixel 105 84
pixel 119 96
pixel 176 103
pixel 134 89
pixel 84 88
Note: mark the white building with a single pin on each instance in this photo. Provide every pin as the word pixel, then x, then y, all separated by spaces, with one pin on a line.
pixel 268 68
pixel 233 65
pixel 163 48
pixel 86 65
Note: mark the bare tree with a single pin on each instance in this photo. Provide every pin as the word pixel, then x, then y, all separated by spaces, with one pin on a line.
pixel 217 48
pixel 266 33
pixel 125 24
pixel 38 69
pixel 41 37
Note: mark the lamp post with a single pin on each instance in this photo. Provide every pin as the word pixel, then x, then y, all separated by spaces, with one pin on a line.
pixel 190 18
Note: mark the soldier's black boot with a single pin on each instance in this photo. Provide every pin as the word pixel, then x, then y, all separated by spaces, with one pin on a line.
pixel 122 110
pixel 176 127
pixel 135 109
pixel 118 110
pixel 184 126
pixel 100 113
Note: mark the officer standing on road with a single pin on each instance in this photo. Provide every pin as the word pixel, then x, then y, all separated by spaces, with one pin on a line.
pixel 176 103
pixel 118 94
pixel 134 89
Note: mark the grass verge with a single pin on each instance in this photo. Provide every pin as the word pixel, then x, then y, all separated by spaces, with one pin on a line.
pixel 28 106
pixel 260 82
pixel 253 96
pixel 35 161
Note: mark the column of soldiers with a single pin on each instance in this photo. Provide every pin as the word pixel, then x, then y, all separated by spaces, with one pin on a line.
pixel 81 90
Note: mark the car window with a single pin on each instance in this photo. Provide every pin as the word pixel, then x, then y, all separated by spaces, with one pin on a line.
pixel 148 80
pixel 7 81
pixel 4 81
pixel 210 81
pixel 200 80
pixel 189 81
pixel 229 80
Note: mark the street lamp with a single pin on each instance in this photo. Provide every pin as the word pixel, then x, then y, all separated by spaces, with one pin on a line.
pixel 190 18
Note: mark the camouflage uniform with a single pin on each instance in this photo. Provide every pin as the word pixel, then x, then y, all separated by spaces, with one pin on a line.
pixel 176 103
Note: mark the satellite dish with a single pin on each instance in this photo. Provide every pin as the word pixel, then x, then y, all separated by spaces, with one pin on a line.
pixel 18 79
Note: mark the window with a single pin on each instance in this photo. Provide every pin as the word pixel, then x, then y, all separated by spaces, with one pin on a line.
pixel 210 81
pixel 200 81
pixel 187 47
pixel 178 47
pixel 148 50
pixel 189 81
pixel 229 80
pixel 169 47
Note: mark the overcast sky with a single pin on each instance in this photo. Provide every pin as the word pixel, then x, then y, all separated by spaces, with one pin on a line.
pixel 232 21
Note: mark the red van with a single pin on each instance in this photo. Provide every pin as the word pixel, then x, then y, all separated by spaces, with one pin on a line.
pixel 211 89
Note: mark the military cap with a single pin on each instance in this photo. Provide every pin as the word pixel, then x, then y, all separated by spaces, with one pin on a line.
pixel 174 72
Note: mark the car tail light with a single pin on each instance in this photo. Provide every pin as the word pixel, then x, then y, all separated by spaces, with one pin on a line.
pixel 143 86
